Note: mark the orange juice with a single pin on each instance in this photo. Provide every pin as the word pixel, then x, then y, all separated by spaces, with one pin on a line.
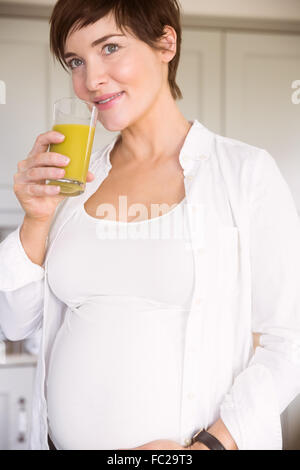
pixel 77 146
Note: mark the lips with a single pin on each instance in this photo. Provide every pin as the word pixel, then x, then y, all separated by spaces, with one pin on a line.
pixel 107 97
pixel 110 103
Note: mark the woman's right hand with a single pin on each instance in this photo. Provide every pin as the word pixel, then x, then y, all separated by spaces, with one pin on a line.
pixel 38 199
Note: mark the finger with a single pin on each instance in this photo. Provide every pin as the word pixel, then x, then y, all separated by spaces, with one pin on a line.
pixel 47 159
pixel 44 140
pixel 39 174
pixel 32 168
pixel 41 190
pixel 43 159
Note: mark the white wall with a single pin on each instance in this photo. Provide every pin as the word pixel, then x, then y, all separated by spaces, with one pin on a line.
pixel 264 9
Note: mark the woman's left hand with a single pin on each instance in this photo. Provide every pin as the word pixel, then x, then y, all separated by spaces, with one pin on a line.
pixel 160 444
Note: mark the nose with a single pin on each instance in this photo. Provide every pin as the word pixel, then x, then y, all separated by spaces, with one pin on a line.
pixel 96 76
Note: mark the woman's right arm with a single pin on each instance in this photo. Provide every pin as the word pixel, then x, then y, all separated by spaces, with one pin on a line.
pixel 22 253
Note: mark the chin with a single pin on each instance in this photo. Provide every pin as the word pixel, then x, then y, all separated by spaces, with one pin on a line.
pixel 113 125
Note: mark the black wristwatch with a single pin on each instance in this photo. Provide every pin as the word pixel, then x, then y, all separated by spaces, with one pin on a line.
pixel 208 439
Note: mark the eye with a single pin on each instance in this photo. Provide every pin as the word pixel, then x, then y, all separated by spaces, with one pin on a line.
pixel 109 47
pixel 71 63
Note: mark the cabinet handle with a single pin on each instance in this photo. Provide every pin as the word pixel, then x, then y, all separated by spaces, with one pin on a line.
pixel 22 420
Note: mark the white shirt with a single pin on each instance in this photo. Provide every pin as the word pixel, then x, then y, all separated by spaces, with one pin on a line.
pixel 245 234
pixel 115 369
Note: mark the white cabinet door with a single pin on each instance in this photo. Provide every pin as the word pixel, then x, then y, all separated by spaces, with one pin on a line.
pixel 200 77
pixel 16 383
pixel 260 70
pixel 33 83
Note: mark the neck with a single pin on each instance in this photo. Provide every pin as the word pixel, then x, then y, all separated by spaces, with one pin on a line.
pixel 157 136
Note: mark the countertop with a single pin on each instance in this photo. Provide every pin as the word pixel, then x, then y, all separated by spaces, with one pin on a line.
pixel 18 360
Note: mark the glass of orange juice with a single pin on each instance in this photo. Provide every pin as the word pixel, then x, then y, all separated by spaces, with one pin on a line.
pixel 76 120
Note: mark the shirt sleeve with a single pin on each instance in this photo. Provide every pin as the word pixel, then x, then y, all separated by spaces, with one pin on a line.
pixel 21 290
pixel 252 408
pixel 16 269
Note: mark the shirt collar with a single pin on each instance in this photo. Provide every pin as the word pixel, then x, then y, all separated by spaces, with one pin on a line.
pixel 196 147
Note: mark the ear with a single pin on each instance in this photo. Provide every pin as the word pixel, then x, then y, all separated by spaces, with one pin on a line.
pixel 169 42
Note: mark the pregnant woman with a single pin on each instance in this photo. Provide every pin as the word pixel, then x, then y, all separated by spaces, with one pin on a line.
pixel 149 287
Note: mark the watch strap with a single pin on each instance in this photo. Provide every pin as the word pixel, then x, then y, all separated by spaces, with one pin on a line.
pixel 207 439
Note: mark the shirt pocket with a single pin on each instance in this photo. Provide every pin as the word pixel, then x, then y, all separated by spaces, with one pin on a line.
pixel 228 256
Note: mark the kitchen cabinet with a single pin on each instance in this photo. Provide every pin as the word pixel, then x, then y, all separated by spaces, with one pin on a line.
pixel 16 388
pixel 32 84
pixel 200 77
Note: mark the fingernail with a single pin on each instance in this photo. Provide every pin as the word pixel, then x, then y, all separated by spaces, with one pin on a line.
pixel 60 136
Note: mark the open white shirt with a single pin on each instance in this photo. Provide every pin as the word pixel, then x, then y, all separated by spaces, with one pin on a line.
pixel 245 236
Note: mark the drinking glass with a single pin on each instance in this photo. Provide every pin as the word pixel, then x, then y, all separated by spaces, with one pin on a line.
pixel 76 120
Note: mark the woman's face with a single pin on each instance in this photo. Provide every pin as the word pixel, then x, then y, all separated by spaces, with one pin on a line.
pixel 119 64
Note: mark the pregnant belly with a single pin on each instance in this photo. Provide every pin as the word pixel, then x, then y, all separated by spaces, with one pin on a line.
pixel 114 378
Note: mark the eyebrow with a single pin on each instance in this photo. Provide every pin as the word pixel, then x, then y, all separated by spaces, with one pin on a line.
pixel 94 44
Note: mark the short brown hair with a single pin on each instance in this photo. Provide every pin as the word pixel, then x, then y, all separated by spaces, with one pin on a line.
pixel 146 19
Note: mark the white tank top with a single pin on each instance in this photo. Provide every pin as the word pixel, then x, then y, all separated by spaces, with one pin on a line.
pixel 114 378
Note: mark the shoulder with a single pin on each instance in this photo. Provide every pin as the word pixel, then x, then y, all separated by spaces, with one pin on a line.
pixel 226 151
pixel 238 152
pixel 246 163
pixel 243 165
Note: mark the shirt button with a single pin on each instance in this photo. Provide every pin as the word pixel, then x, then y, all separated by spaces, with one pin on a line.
pixel 199 300
pixel 191 396
pixel 187 442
